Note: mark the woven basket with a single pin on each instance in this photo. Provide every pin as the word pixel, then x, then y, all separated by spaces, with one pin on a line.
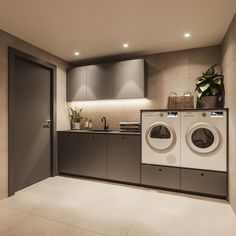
pixel 186 101
pixel 172 100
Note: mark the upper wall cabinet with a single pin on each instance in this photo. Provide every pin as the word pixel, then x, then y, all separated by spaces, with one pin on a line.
pixel 100 82
pixel 129 79
pixel 76 84
pixel 125 79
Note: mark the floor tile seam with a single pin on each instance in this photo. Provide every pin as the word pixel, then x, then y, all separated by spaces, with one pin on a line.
pixel 132 221
pixel 54 220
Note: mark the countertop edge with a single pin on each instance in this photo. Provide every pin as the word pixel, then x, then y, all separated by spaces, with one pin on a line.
pixel 97 132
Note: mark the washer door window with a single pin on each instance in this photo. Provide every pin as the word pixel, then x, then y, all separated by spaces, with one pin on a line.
pixel 203 138
pixel 160 137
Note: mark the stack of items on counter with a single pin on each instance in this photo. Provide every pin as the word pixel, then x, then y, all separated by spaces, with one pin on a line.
pixel 130 127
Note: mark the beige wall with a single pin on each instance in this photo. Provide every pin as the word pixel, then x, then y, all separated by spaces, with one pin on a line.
pixel 175 71
pixel 229 69
pixel 7 40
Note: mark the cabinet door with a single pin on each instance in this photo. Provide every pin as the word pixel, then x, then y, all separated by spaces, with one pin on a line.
pixel 129 79
pixel 160 176
pixel 100 82
pixel 68 153
pixel 124 158
pixel 93 155
pixel 76 84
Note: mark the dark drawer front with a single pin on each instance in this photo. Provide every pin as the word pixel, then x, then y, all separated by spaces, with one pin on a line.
pixel 160 176
pixel 204 181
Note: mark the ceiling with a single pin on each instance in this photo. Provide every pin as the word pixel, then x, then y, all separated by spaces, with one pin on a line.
pixel 98 28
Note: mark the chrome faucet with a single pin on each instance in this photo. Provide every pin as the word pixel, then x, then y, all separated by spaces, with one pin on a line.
pixel 106 127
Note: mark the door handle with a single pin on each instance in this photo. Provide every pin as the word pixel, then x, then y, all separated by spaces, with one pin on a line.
pixel 47 124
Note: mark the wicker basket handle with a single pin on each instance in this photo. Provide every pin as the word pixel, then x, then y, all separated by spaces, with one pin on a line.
pixel 187 93
pixel 172 94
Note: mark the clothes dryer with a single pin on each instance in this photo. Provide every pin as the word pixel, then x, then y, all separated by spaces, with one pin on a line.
pixel 204 140
pixel 161 138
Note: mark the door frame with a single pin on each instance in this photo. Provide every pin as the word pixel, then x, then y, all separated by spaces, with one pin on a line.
pixel 12 55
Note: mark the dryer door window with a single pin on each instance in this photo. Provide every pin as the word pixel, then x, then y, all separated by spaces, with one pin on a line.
pixel 160 137
pixel 203 138
pixel 160 132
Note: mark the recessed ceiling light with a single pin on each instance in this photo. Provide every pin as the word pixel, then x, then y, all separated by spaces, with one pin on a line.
pixel 125 45
pixel 187 35
pixel 76 53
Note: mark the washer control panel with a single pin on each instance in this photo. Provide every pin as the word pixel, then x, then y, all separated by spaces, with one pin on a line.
pixel 172 114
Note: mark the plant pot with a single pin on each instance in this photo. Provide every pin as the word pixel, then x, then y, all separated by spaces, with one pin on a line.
pixel 75 125
pixel 208 102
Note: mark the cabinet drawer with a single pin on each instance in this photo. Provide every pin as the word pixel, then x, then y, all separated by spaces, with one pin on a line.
pixel 201 181
pixel 160 176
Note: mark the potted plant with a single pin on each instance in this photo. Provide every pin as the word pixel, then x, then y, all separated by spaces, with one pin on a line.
pixel 75 117
pixel 210 89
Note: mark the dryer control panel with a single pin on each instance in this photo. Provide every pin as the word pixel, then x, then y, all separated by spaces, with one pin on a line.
pixel 217 114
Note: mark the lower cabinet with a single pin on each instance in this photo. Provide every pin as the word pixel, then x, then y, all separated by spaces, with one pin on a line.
pixel 68 153
pixel 160 176
pixel 117 157
pixel 201 181
pixel 93 155
pixel 112 156
pixel 123 158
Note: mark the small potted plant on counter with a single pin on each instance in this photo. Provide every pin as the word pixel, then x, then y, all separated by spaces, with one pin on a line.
pixel 210 89
pixel 75 117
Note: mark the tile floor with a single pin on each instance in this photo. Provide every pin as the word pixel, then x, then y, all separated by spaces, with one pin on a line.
pixel 75 207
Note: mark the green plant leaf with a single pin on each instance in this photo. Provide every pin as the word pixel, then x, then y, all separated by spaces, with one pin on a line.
pixel 200 80
pixel 211 70
pixel 210 83
pixel 214 91
pixel 218 80
pixel 205 87
pixel 208 76
pixel 199 94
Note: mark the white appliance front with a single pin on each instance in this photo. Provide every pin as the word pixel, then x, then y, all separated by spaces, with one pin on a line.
pixel 161 138
pixel 204 140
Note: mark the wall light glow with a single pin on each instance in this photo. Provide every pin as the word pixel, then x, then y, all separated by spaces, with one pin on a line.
pixel 113 104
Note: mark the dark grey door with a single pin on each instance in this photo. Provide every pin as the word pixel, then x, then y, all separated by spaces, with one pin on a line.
pixel 31 133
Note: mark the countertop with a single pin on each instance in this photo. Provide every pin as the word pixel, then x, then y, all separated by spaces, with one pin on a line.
pixel 99 132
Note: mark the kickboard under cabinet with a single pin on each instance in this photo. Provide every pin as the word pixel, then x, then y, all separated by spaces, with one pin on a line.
pixel 203 181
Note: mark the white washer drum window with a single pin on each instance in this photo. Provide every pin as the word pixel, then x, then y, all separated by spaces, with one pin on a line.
pixel 203 138
pixel 161 137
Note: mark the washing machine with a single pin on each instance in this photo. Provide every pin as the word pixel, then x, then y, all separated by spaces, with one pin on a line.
pixel 204 140
pixel 161 138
